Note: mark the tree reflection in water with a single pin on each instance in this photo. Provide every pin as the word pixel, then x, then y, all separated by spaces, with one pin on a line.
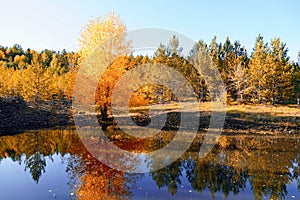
pixel 269 165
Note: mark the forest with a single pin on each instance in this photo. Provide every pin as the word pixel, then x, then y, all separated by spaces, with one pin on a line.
pixel 264 75
pixel 263 100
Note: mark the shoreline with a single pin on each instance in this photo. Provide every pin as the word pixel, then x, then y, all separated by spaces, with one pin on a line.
pixel 18 116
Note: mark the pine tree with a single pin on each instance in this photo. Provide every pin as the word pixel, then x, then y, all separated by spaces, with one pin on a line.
pixel 256 71
pixel 296 80
pixel 277 72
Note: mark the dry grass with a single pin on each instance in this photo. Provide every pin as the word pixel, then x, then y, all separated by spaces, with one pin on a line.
pixel 276 110
pixel 272 110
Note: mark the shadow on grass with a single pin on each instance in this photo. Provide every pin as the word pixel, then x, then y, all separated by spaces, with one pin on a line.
pixel 16 116
pixel 236 122
pixel 261 123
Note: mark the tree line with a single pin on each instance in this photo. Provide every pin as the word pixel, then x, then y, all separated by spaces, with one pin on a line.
pixel 34 75
pixel 266 75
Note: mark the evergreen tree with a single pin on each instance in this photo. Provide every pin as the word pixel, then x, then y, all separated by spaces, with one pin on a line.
pixel 277 72
pixel 256 71
pixel 296 80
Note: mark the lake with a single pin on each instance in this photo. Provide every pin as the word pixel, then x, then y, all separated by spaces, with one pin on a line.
pixel 54 164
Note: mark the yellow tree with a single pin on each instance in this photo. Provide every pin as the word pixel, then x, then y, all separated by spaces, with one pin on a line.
pixel 238 79
pixel 109 36
pixel 66 83
pixel 20 61
pixel 6 75
pixel 67 72
pixel 56 72
pixel 99 31
pixel 37 80
pixel 109 81
pixel 2 55
pixel 256 71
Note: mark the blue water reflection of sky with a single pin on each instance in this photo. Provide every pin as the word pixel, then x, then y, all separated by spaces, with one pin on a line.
pixel 16 183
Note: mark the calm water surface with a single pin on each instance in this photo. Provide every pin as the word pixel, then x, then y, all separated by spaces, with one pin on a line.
pixel 53 164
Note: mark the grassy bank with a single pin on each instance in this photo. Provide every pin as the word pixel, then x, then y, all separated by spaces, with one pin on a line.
pixel 260 119
pixel 263 119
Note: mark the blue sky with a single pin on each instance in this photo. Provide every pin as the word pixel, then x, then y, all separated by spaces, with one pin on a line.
pixel 56 24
